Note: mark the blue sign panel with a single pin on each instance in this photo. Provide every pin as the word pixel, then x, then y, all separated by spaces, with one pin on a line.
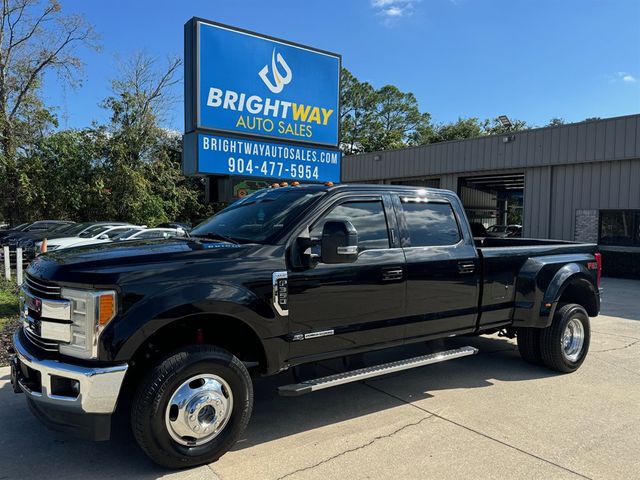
pixel 221 155
pixel 258 86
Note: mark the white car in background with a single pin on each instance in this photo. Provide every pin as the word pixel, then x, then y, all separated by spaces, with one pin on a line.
pixel 91 236
pixel 149 233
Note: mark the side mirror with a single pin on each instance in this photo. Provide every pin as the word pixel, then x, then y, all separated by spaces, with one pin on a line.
pixel 104 236
pixel 339 242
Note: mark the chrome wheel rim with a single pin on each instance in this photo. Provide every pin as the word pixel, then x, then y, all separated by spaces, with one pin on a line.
pixel 573 340
pixel 199 409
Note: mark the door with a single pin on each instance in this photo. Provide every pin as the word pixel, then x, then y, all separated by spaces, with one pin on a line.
pixel 340 307
pixel 443 269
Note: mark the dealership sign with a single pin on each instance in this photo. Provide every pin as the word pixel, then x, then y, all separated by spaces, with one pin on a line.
pixel 222 155
pixel 241 83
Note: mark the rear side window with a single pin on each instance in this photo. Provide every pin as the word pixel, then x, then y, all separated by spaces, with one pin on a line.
pixel 156 234
pixel 430 224
pixel 114 233
pixel 368 219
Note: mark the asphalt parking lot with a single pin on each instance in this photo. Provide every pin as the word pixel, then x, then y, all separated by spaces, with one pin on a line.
pixel 488 416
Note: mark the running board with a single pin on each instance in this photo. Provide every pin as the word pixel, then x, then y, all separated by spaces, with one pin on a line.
pixel 321 383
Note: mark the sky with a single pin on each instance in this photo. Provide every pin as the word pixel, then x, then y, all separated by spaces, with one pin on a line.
pixel 531 60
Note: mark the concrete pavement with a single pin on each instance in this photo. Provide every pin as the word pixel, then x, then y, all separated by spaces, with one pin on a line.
pixel 488 416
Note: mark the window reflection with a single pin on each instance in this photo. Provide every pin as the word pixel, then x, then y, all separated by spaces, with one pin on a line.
pixel 431 224
pixel 368 219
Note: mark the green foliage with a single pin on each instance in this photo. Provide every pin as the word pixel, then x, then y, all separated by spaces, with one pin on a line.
pixel 555 121
pixel 463 128
pixel 8 302
pixel 127 170
pixel 388 118
pixel 378 119
pixel 494 126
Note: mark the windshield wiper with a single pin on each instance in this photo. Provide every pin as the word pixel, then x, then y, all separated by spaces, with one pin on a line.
pixel 218 236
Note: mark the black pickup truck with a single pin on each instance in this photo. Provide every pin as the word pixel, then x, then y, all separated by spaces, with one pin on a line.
pixel 177 328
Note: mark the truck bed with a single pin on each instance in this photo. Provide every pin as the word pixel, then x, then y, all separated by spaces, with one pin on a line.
pixel 503 264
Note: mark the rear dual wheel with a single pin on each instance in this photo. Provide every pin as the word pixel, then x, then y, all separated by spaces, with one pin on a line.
pixel 563 345
pixel 192 407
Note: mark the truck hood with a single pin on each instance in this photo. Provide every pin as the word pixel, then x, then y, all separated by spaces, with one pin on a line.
pixel 105 263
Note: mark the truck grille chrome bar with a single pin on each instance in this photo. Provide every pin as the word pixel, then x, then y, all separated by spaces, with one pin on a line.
pixel 49 346
pixel 39 287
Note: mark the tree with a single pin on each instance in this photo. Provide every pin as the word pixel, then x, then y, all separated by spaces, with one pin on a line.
pixel 357 104
pixel 35 38
pixel 67 176
pixel 459 130
pixel 555 122
pixel 493 126
pixel 145 181
pixel 379 119
pixel 398 119
pixel 142 95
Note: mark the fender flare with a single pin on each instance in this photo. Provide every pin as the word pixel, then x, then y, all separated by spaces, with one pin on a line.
pixel 537 296
pixel 570 274
pixel 145 318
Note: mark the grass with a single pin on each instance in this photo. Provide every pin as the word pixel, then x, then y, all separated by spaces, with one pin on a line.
pixel 8 302
pixel 8 317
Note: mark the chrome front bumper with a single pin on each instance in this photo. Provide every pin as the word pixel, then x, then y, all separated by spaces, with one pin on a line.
pixel 97 388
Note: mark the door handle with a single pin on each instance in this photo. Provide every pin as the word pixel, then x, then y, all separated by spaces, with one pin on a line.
pixel 392 273
pixel 465 267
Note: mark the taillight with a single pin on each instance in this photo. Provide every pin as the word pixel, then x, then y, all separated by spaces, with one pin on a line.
pixel 598 256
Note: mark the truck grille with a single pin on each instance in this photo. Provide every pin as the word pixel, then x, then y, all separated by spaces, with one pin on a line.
pixel 31 319
pixel 42 288
pixel 48 345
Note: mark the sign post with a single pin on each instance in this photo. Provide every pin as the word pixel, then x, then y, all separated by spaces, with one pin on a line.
pixel 259 107
pixel 7 263
pixel 19 265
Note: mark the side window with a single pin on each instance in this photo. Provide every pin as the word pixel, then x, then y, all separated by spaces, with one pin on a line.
pixel 147 235
pixel 368 218
pixel 430 224
pixel 116 232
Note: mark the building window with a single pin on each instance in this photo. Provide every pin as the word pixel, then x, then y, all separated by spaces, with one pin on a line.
pixel 431 224
pixel 620 227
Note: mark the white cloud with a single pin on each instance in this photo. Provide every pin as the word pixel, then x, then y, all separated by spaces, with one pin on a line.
pixel 391 10
pixel 382 3
pixel 625 77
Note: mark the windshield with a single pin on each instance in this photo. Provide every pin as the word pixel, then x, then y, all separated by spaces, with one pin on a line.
pixel 76 228
pixel 93 231
pixel 258 217
pixel 65 227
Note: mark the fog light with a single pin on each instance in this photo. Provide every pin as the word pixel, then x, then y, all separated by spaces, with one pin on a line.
pixel 65 387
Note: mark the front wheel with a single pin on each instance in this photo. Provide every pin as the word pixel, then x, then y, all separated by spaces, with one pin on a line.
pixel 565 343
pixel 192 407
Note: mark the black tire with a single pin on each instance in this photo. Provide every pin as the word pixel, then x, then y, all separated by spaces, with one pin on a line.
pixel 152 397
pixel 529 345
pixel 551 349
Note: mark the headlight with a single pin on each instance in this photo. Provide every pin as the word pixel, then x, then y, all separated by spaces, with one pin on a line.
pixel 91 311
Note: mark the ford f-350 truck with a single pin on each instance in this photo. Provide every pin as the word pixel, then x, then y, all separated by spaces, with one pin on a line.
pixel 176 329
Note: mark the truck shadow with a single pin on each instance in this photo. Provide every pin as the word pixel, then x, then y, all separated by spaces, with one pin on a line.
pixel 27 449
pixel 277 417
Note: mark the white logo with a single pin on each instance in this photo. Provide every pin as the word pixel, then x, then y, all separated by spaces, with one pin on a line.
pixel 280 81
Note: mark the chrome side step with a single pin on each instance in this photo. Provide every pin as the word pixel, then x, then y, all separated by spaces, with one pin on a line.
pixel 321 383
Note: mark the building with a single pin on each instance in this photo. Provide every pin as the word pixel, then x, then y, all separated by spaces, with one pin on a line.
pixel 577 182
